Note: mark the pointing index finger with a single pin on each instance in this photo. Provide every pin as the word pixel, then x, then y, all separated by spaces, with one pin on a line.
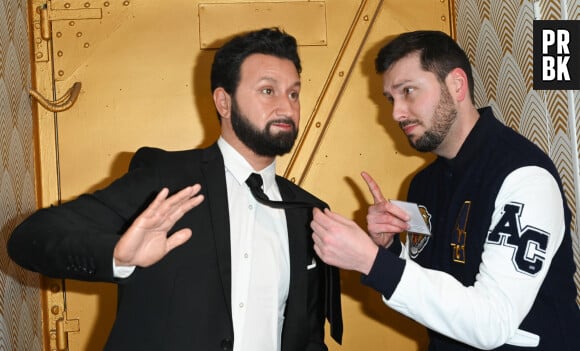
pixel 373 187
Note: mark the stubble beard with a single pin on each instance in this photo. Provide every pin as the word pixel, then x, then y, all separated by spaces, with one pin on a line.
pixel 444 116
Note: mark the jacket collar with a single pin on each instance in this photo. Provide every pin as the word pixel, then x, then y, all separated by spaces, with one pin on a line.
pixel 478 138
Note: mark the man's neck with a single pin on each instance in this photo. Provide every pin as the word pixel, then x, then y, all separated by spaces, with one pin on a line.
pixel 466 120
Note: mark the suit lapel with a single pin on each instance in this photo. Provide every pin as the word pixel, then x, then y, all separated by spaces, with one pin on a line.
pixel 301 255
pixel 213 170
pixel 296 307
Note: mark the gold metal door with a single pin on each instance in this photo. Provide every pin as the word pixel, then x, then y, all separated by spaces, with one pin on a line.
pixel 123 74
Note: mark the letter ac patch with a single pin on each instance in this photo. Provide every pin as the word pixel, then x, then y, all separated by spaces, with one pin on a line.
pixel 417 242
pixel 528 244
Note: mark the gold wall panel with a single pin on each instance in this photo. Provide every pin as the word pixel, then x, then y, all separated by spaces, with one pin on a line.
pixel 306 20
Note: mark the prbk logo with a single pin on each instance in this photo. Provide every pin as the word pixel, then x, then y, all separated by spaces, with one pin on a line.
pixel 556 55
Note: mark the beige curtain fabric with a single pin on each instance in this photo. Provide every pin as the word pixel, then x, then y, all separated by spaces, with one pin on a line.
pixel 20 307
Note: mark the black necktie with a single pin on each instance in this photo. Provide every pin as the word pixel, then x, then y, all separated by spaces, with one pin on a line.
pixel 332 276
pixel 255 182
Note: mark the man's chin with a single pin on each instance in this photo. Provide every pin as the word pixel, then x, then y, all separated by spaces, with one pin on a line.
pixel 283 138
pixel 273 149
pixel 276 132
pixel 273 153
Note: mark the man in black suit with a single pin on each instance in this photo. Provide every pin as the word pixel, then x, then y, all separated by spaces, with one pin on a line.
pixel 204 266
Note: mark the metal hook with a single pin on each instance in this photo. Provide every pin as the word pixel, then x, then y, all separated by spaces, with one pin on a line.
pixel 61 104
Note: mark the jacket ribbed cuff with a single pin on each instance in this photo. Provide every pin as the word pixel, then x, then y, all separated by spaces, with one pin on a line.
pixel 385 273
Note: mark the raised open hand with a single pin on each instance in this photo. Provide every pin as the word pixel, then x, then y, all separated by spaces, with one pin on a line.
pixel 147 241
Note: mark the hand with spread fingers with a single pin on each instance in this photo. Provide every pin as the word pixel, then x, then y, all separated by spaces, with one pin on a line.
pixel 384 220
pixel 146 241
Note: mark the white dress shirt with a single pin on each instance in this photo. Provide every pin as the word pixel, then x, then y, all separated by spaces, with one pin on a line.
pixel 260 257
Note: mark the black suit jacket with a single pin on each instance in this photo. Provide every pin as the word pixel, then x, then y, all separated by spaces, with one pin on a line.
pixel 183 301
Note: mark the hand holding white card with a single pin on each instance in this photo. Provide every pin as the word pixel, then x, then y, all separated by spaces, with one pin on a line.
pixel 417 222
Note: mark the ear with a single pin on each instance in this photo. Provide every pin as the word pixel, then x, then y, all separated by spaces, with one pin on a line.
pixel 223 102
pixel 458 84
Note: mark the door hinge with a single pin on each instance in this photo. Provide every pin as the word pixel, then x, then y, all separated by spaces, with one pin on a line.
pixel 56 319
pixel 42 16
pixel 64 326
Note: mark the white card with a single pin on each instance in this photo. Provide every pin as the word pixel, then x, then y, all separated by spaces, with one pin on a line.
pixel 417 222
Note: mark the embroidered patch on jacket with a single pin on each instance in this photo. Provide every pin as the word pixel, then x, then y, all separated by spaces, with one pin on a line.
pixel 528 244
pixel 417 242
pixel 460 233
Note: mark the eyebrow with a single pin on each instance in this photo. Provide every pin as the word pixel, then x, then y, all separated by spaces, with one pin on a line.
pixel 397 86
pixel 297 83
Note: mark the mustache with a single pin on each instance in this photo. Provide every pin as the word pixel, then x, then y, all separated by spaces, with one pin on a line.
pixel 405 123
pixel 285 120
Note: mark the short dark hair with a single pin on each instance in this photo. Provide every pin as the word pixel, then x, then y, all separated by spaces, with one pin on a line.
pixel 225 70
pixel 438 52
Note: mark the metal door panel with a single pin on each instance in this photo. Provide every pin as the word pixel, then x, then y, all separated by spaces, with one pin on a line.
pixel 144 69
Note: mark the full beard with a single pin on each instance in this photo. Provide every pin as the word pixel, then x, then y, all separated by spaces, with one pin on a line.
pixel 263 142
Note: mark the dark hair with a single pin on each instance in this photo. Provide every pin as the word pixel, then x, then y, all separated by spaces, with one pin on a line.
pixel 438 52
pixel 225 70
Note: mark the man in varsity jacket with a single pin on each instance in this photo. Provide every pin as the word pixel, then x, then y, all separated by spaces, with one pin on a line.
pixel 497 270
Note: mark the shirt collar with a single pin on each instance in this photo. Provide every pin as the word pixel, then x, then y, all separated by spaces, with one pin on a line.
pixel 241 169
